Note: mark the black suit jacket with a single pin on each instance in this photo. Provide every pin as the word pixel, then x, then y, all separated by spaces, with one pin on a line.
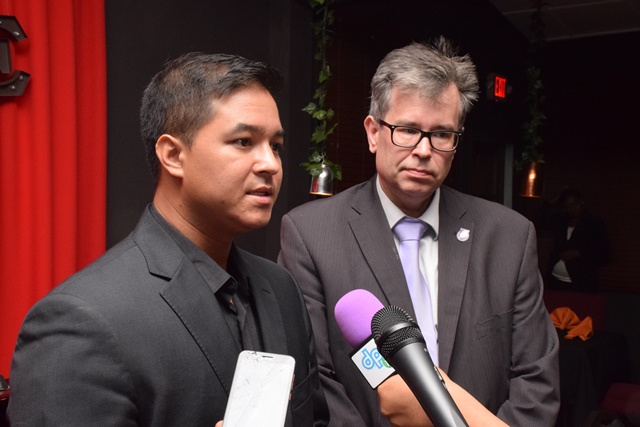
pixel 495 336
pixel 138 338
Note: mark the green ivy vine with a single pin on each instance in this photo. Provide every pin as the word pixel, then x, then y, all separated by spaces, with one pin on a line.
pixel 535 95
pixel 316 108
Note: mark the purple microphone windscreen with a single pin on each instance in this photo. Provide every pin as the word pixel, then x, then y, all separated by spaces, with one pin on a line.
pixel 354 312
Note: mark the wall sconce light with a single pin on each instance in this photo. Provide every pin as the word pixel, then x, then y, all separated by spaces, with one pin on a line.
pixel 532 181
pixel 322 185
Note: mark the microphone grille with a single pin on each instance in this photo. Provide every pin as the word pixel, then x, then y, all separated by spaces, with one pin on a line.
pixel 391 327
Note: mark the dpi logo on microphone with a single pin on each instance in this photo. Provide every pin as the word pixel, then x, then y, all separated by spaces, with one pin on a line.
pixel 371 364
pixel 373 359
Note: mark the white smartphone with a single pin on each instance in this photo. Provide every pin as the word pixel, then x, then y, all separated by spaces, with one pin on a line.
pixel 260 390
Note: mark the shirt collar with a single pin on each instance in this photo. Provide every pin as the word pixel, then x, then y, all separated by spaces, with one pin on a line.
pixel 393 213
pixel 212 273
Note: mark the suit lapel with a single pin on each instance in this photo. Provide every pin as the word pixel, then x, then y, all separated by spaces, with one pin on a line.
pixel 197 307
pixel 189 296
pixel 453 264
pixel 375 239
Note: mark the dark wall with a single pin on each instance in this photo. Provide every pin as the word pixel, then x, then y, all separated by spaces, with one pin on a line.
pixel 592 88
pixel 591 143
pixel 141 35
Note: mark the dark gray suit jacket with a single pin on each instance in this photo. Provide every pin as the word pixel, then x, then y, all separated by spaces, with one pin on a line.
pixel 138 338
pixel 495 336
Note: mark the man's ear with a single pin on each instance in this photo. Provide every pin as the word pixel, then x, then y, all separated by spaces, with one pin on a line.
pixel 169 151
pixel 373 131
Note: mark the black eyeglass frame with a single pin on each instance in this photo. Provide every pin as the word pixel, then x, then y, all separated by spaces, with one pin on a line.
pixel 424 134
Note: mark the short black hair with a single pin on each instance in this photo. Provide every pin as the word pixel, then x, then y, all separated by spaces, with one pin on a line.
pixel 178 100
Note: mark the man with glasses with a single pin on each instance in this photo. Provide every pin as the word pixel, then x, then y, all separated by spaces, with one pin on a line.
pixel 479 302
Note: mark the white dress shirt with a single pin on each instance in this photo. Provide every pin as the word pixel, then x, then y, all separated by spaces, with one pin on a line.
pixel 428 243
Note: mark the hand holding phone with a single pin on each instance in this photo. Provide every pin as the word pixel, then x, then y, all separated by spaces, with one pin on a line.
pixel 260 390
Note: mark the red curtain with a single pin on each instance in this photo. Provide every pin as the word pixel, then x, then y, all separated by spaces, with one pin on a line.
pixel 52 155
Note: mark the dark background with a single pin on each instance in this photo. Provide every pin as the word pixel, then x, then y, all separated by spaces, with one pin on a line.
pixel 590 138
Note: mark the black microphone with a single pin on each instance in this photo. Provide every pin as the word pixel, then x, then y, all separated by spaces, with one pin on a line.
pixel 401 343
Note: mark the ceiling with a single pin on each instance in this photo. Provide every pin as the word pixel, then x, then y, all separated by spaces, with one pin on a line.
pixel 571 19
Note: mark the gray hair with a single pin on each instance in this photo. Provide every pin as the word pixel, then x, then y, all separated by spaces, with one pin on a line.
pixel 427 68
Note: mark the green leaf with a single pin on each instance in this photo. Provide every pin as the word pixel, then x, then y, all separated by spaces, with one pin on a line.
pixel 319 114
pixel 325 74
pixel 315 169
pixel 311 108
pixel 316 157
pixel 336 170
pixel 329 114
pixel 319 135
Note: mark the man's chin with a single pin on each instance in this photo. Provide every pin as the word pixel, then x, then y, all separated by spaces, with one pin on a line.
pixel 251 224
pixel 419 190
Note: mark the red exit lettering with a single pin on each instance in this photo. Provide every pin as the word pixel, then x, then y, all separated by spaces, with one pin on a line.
pixel 500 87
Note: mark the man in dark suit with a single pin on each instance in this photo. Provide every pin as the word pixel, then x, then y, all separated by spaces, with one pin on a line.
pixel 494 335
pixel 149 334
pixel 580 245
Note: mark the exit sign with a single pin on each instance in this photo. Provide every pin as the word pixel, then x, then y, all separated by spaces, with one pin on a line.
pixel 498 87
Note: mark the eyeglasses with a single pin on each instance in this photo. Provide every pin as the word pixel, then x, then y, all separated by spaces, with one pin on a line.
pixel 408 137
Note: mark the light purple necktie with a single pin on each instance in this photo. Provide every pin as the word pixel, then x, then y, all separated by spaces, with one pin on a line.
pixel 409 231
